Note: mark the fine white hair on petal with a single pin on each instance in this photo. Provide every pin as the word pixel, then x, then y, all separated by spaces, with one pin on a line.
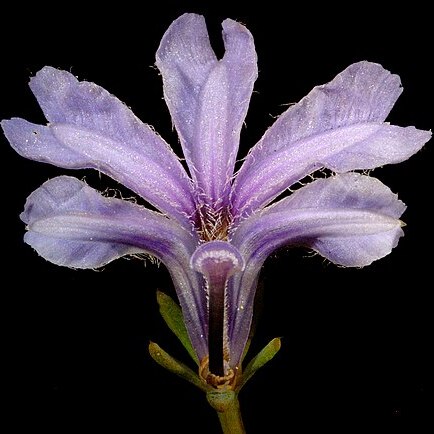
pixel 339 125
pixel 208 98
pixel 90 128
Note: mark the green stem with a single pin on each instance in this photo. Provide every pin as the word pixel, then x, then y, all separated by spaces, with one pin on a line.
pixel 231 420
pixel 228 410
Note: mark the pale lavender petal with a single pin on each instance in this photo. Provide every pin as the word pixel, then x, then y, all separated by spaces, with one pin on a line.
pixel 92 129
pixel 208 99
pixel 350 219
pixel 241 292
pixel 73 225
pixel 338 125
pixel 341 209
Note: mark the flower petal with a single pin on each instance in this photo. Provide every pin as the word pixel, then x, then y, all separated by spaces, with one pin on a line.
pixel 241 292
pixel 208 99
pixel 92 129
pixel 338 125
pixel 350 219
pixel 341 210
pixel 71 224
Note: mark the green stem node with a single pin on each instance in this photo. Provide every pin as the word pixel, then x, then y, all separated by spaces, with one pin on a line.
pixel 226 404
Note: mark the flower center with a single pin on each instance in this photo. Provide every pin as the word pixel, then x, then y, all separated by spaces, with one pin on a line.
pixel 217 261
pixel 214 225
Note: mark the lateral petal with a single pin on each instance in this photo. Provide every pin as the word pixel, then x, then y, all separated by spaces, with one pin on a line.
pixel 92 129
pixel 338 125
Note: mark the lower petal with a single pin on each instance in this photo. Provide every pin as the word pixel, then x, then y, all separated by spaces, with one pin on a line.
pixel 353 213
pixel 350 219
pixel 73 225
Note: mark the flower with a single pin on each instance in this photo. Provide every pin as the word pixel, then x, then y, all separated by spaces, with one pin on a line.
pixel 214 228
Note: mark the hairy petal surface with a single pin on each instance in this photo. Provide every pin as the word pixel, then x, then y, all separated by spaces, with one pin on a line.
pixel 207 98
pixel 73 225
pixel 339 125
pixel 90 128
pixel 350 219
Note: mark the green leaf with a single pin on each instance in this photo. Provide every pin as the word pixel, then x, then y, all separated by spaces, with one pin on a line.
pixel 263 357
pixel 171 364
pixel 172 315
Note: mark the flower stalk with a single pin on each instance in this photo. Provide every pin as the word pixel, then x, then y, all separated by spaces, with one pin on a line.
pixel 222 395
pixel 228 410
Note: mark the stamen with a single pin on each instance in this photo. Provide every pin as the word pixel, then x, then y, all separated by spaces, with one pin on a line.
pixel 217 261
pixel 214 224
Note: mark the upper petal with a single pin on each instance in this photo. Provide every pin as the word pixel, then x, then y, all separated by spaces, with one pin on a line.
pixel 350 219
pixel 71 224
pixel 338 125
pixel 208 99
pixel 92 129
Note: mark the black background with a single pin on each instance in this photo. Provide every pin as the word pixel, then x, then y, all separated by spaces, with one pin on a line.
pixel 356 343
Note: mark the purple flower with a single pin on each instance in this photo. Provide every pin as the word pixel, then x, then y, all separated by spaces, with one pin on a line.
pixel 215 228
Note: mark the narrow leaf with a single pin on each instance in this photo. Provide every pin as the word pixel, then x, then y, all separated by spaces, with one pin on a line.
pixel 171 364
pixel 264 356
pixel 172 315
